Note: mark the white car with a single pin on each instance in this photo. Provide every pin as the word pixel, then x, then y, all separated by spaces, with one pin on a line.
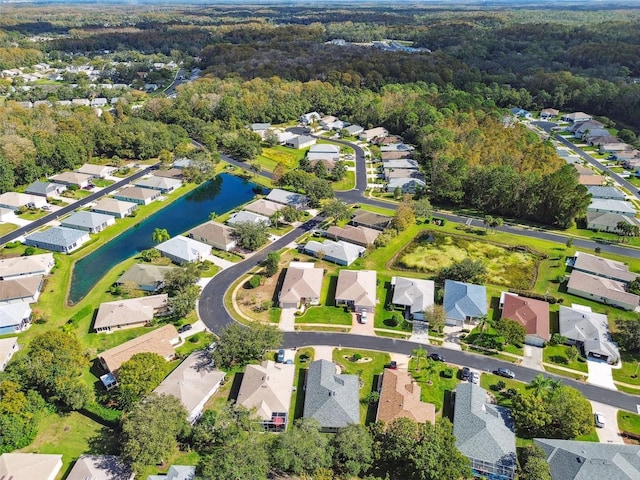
pixel 474 377
pixel 599 418
pixel 363 317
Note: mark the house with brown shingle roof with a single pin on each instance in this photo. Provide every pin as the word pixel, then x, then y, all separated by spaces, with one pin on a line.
pixel 532 314
pixel 357 290
pixel 371 220
pixel 589 180
pixel 214 234
pixel 362 236
pixel 603 290
pixel 161 341
pixel 301 286
pixel 134 312
pixel 138 195
pixel 601 267
pixel 264 207
pixel 22 289
pixel 400 398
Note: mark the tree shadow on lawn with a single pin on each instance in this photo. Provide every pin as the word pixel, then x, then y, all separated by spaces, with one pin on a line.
pixel 372 409
pixel 298 409
pixel 235 386
pixel 330 301
pixel 559 359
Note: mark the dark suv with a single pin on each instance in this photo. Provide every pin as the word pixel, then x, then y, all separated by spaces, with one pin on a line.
pixel 465 373
pixel 437 357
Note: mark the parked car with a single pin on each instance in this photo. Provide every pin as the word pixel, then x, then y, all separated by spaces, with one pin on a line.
pixel 280 356
pixel 465 373
pixel 45 207
pixel 475 378
pixel 505 372
pixel 393 365
pixel 185 328
pixel 363 317
pixel 599 419
pixel 437 357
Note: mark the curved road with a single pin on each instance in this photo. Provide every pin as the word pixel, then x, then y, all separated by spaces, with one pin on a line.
pixel 9 237
pixel 216 318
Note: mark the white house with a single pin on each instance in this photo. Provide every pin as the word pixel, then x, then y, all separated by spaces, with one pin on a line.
pixel 182 250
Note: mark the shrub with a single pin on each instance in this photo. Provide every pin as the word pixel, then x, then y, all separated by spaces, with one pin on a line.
pixel 499 386
pixel 537 296
pixel 254 282
pixel 29 251
pixel 356 357
pixel 447 373
pixel 394 321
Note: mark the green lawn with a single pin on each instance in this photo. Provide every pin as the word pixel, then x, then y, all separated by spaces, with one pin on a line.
pixel 347 183
pixel 629 371
pixel 439 387
pixel 76 194
pixel 628 422
pixel 558 354
pixel 327 314
pixel 271 156
pixel 304 356
pixel 487 380
pixel 368 368
pixel 101 182
pixel 6 228
pixel 229 256
pixel 383 317
pixel 32 214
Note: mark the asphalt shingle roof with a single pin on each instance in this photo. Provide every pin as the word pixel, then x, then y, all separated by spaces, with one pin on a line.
pixel 462 300
pixel 58 236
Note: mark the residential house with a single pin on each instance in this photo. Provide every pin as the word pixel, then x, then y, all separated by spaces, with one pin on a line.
pixel 99 467
pixel 353 130
pixel 576 117
pixel 99 102
pixel 193 382
pixel 519 112
pixel 16 267
pixel 593 137
pixel 19 290
pixel 601 267
pixel 29 466
pixel 395 155
pixel 464 302
pixel 79 180
pixel 357 290
pixel 573 460
pixel 171 173
pixel 589 331
pixel 97 171
pixel 248 217
pixel 415 295
pixel 302 285
pixel 300 141
pixel 582 170
pixel 326 121
pixel 328 165
pixel 324 151
pixel 7 215
pixel 331 398
pixel 260 129
pixel 163 184
pixel 406 184
pixel 603 290
pixel 138 195
pixel 267 388
pixel 8 346
pixel 284 137
pixel 362 236
pixel 606 193
pixel 372 133
pixel 591 180
pixel 83 102
pixel 391 173
pixel 400 398
pixel 161 341
pixel 58 239
pixel 484 433
pixel 581 128
pixel 285 197
pixel 15 201
pixel 309 118
pixel 532 314
pixel 176 472
pixel 145 277
pixel 130 313
pixel 215 234
pixel 183 250
pixel 608 222
pixel 116 208
pixel 341 253
pixel 88 221
pixel 371 220
pixel 264 207
pixel 401 164
pixel 180 163
pixel 45 189
pixel 397 147
pixel 14 317
pixel 626 155
pixel 549 113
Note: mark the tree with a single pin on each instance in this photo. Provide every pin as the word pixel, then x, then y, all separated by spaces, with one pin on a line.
pixel 430 368
pixel 238 345
pixel 435 317
pixel 404 216
pixel 335 209
pixel 184 301
pixel 251 235
pixel 166 159
pixel 272 263
pixel 628 334
pixel 530 415
pixel 243 460
pixel 352 450
pixel 180 278
pixel 275 218
pixel 487 220
pixel 20 413
pixel 572 353
pixel 150 432
pixel 422 208
pixel 303 449
pixel 512 332
pixel 160 235
pixel 138 377
pixel 291 214
pixel 540 385
pixel 150 254
pixel 534 464
pixel 397 193
pixel 419 354
pixel 339 171
pixel 213 216
pixel 465 270
pixel 278 172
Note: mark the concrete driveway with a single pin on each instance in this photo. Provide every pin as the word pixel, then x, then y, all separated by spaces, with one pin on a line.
pixel 533 357
pixel 600 374
pixel 608 434
pixel 452 337
pixel 358 328
pixel 288 319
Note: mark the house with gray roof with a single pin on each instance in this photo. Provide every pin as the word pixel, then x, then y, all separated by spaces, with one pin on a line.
pixel 608 193
pixel 300 141
pixel 181 163
pixel 260 128
pixel 176 472
pixel 608 222
pixel 58 239
pixel 100 467
pixel 324 151
pixel 8 346
pixel 484 433
pixel 376 221
pixel 603 290
pixel 14 317
pixel 406 184
pixel 601 205
pixel 138 195
pixel 340 252
pixel 372 133
pixel 88 221
pixel 285 197
pixel 183 250
pixel 331 398
pixel 588 331
pixel 45 189
pixel 115 208
pixel 354 130
pixel 390 173
pixel 193 382
pixel 464 302
pixel 267 388
pixel 601 267
pixel 146 277
pixel 130 313
pixel 573 460
pixel 302 285
pixel 357 290
pixel 309 118
pixel 401 163
pixel 415 295
pixel 162 184
pixel 243 217
pixel 97 171
pixel 20 290
pixel 215 234
pixel 576 117
pixel 79 180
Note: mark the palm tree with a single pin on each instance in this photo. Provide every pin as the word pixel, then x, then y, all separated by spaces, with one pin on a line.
pixel 483 323
pixel 275 218
pixel 160 235
pixel 623 228
pixel 540 385
pixel 430 368
pixel 213 216
pixel 419 353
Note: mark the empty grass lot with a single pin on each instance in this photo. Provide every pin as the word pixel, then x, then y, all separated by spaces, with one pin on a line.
pixel 506 266
pixel 271 156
